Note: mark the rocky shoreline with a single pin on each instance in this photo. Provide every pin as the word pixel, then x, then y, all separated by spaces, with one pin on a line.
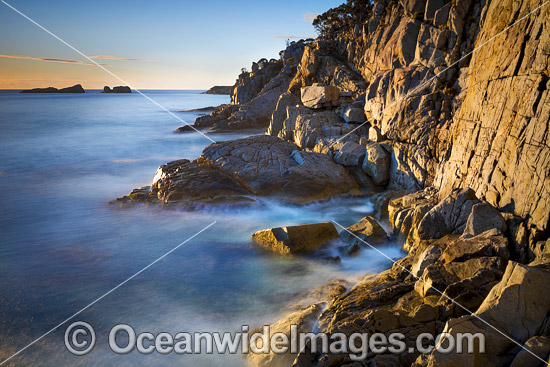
pixel 451 147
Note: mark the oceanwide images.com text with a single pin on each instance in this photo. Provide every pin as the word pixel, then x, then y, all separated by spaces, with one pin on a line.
pixel 80 339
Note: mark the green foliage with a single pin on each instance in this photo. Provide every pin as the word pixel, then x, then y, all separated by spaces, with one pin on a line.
pixel 343 17
pixel 244 71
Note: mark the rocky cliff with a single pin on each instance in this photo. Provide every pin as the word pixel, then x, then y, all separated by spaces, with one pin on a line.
pixel 443 107
pixel 448 99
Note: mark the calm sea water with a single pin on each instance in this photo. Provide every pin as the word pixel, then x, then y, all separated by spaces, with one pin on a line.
pixel 62 158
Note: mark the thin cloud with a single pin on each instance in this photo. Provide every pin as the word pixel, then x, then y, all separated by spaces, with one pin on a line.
pixel 288 37
pixel 107 57
pixel 64 61
pixel 310 17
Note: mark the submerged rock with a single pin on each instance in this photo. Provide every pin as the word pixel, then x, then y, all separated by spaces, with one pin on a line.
pixel 295 239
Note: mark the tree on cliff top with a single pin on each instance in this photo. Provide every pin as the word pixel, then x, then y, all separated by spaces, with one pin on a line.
pixel 342 17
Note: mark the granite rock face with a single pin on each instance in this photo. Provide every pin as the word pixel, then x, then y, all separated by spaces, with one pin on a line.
pixel 317 96
pixel 255 94
pixel 500 144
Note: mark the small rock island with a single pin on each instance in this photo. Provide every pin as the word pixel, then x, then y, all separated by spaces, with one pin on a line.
pixel 74 89
pixel 119 89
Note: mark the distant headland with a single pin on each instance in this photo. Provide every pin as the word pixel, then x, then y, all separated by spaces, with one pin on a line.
pixel 74 89
pixel 219 89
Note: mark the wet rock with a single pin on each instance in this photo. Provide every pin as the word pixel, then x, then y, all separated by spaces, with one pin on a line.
pixel 367 229
pixel 296 239
pixel 239 170
pixel 192 183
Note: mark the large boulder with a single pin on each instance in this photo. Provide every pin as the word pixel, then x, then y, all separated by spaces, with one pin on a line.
pixel 191 184
pixel 273 167
pixel 367 229
pixel 295 239
pixel 317 96
pixel 482 218
pixel 449 216
pixel 240 170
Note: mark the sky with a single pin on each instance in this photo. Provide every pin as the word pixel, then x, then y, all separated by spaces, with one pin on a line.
pixel 165 44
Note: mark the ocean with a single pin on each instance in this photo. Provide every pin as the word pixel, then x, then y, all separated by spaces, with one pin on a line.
pixel 63 157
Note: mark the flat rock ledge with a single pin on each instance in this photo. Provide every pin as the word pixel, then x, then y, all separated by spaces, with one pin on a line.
pixel 242 170
pixel 295 239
